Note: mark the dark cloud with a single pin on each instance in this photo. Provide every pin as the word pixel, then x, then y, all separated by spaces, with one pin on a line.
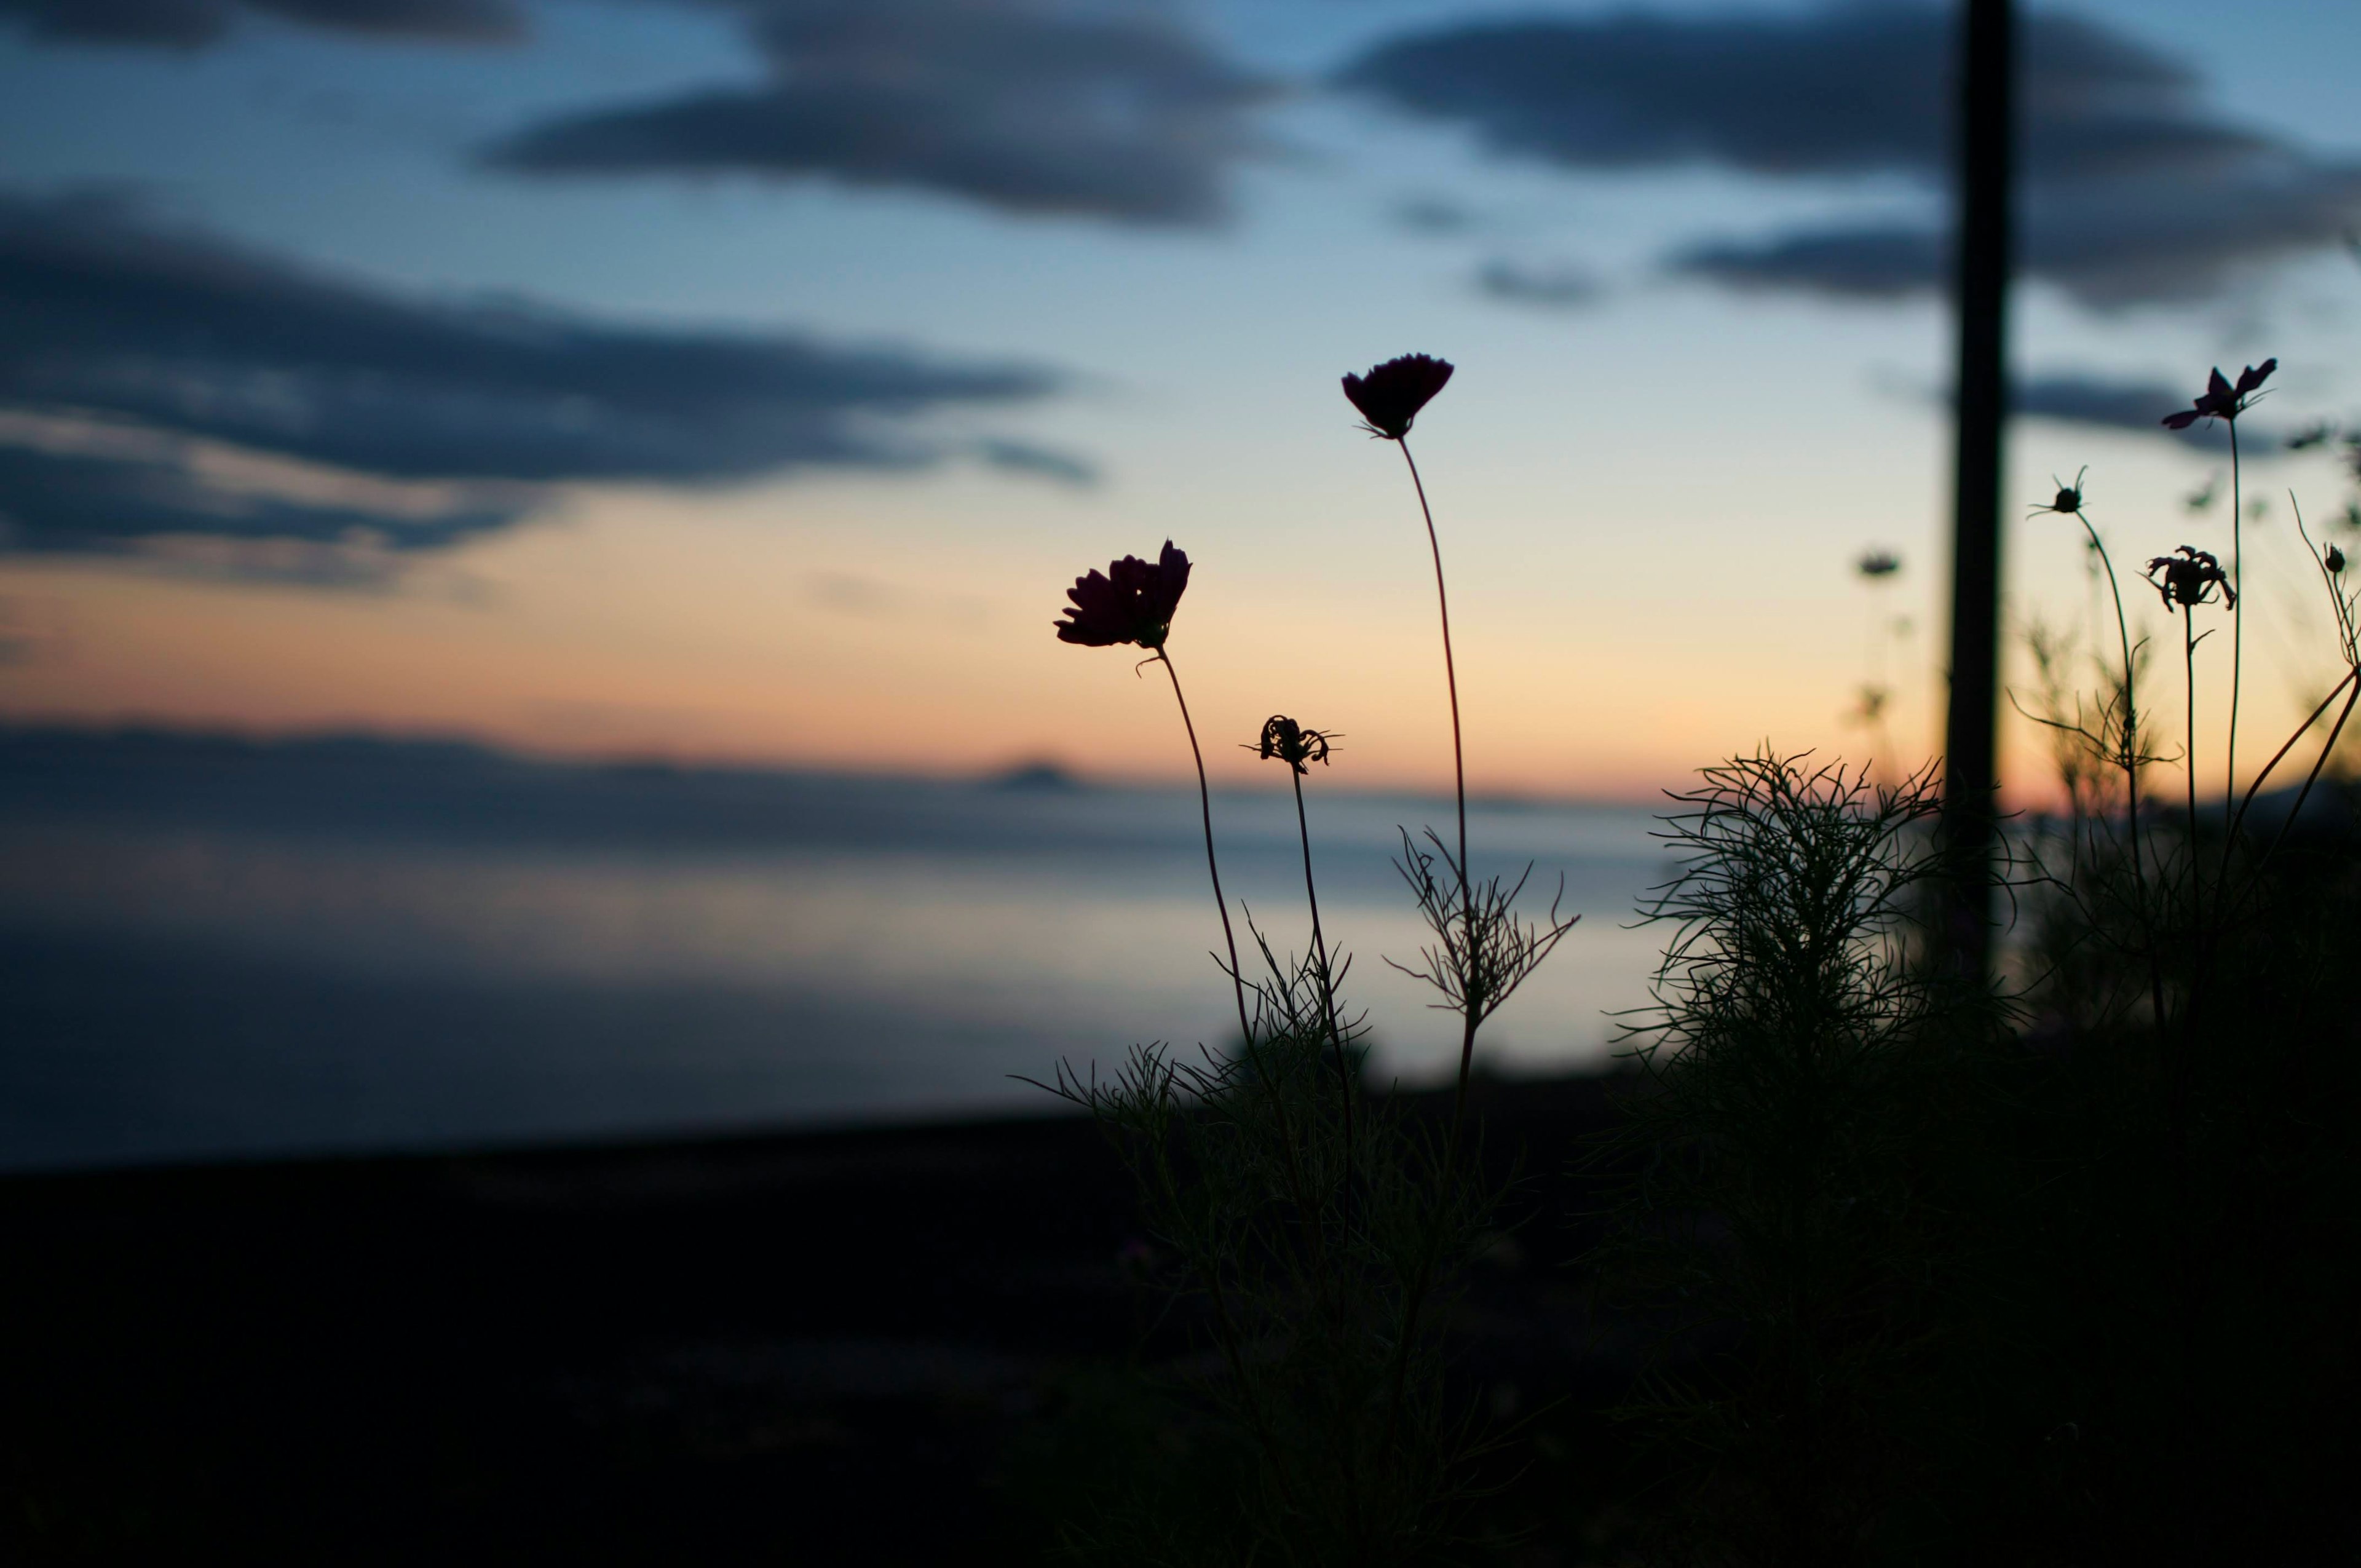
pixel 118 323
pixel 2135 406
pixel 1021 105
pixel 2115 244
pixel 2134 190
pixel 1868 263
pixel 1560 287
pixel 1853 90
pixel 65 500
pixel 193 24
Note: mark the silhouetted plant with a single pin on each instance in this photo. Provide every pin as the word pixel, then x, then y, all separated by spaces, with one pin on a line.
pixel 2155 1256
pixel 2224 402
pixel 1797 1040
pixel 1320 1232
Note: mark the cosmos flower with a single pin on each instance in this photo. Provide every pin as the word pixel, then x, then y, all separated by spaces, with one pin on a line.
pixel 1291 744
pixel 1131 601
pixel 2190 577
pixel 1390 395
pixel 2221 400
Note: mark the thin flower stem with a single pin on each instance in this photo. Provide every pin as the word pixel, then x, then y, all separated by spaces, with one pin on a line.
pixel 2238 621
pixel 2188 665
pixel 2280 755
pixel 2131 762
pixel 1416 1302
pixel 1237 979
pixel 1205 803
pixel 1459 766
pixel 2303 795
pixel 1327 980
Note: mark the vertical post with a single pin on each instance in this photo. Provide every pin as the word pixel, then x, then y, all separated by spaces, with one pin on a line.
pixel 1985 133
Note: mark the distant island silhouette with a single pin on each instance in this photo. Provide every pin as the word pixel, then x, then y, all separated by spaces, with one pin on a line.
pixel 1041 776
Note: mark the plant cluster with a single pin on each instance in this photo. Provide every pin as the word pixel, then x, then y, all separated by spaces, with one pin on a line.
pixel 1316 1232
pixel 2054 1265
pixel 2056 1269
pixel 1771 1210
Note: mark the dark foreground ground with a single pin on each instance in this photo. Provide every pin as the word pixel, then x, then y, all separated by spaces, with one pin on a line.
pixel 837 1347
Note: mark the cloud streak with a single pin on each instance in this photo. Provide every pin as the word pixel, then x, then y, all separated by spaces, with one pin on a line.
pixel 2136 189
pixel 111 321
pixel 2134 407
pixel 1019 105
pixel 2112 244
pixel 197 24
pixel 1560 287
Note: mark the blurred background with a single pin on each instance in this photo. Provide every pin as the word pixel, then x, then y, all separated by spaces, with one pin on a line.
pixel 529 528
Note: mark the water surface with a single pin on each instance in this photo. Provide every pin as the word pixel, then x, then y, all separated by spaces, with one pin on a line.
pixel 214 948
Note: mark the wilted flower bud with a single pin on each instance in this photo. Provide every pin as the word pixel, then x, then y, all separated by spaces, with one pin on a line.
pixel 1290 742
pixel 2190 578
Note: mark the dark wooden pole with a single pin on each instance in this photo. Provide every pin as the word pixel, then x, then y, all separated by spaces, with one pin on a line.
pixel 1985 159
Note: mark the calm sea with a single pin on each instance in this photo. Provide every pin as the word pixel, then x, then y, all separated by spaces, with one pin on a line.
pixel 210 949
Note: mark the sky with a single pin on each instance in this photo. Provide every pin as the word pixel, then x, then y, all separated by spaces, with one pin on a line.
pixel 746 380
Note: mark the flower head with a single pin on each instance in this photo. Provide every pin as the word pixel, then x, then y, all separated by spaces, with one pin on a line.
pixel 2189 578
pixel 2221 400
pixel 2069 499
pixel 1291 744
pixel 1131 601
pixel 1390 395
pixel 1878 565
pixel 2333 560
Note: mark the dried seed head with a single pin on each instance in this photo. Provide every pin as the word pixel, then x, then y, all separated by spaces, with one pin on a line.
pixel 1288 741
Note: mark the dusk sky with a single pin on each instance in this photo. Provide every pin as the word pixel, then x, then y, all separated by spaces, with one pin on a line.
pixel 746 380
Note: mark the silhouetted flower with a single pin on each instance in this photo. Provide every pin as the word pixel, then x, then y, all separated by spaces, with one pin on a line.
pixel 1390 395
pixel 1131 601
pixel 2189 578
pixel 2069 499
pixel 2221 400
pixel 1878 564
pixel 2333 560
pixel 1291 744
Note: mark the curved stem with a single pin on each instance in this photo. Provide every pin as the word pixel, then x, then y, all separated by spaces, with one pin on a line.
pixel 2131 761
pixel 2280 756
pixel 1450 669
pixel 1205 804
pixel 2188 665
pixel 1237 977
pixel 1415 1300
pixel 2304 794
pixel 2238 619
pixel 1458 765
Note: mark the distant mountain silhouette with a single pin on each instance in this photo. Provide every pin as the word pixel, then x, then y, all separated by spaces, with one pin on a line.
pixel 1038 777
